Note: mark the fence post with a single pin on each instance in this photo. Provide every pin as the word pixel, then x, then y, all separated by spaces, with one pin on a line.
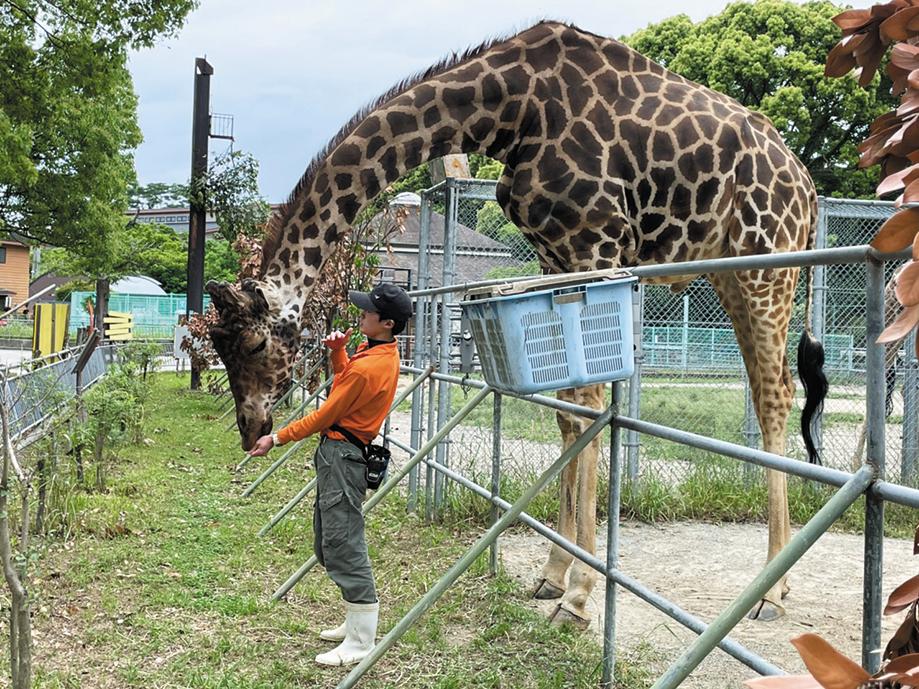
pixel 632 441
pixel 910 449
pixel 424 272
pixel 818 306
pixel 495 477
pixel 444 389
pixel 875 455
pixel 612 541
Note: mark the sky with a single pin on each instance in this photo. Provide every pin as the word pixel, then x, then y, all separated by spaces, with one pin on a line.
pixel 291 73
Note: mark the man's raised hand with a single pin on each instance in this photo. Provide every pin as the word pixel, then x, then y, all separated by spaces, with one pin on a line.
pixel 337 339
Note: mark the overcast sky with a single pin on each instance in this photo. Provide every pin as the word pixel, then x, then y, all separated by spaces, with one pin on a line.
pixel 292 72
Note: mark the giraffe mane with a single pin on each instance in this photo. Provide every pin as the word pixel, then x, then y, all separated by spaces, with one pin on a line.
pixel 284 212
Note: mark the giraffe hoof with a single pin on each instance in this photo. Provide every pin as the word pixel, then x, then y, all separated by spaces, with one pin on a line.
pixel 563 616
pixel 546 591
pixel 765 611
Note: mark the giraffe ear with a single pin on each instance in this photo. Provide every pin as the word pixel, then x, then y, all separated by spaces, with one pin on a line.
pixel 257 292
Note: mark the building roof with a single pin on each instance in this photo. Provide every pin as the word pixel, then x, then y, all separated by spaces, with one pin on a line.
pixel 466 237
pixel 476 254
pixel 138 284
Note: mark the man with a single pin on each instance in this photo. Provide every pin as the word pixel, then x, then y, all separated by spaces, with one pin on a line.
pixel 362 392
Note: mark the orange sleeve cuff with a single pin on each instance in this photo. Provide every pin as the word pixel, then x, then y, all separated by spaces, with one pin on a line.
pixel 339 359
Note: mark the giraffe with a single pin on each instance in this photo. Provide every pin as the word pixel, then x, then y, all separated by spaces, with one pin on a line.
pixel 610 160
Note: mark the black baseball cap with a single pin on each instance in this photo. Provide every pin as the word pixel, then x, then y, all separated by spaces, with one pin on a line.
pixel 388 300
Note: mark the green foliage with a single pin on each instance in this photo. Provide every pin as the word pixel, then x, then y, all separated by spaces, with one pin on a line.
pixel 158 195
pixel 68 117
pixel 230 191
pixel 770 56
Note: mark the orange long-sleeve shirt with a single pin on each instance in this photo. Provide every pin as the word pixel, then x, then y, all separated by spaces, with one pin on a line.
pixel 362 392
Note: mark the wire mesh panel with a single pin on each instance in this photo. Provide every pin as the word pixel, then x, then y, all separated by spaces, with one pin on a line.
pixel 154 315
pixel 843 324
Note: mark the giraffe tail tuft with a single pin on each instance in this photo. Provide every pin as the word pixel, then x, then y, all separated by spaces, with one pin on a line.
pixel 810 371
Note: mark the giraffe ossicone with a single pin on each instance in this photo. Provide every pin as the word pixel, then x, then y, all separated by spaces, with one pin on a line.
pixel 610 161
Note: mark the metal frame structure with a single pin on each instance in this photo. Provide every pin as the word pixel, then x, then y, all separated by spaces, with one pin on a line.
pixel 866 481
pixel 429 446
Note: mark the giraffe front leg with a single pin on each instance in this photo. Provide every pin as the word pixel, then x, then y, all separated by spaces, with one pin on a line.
pixel 774 419
pixel 582 578
pixel 552 582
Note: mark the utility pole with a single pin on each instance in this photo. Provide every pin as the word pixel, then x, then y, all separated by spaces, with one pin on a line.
pixel 198 207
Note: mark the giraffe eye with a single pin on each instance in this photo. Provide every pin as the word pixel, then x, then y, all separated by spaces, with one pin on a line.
pixel 259 347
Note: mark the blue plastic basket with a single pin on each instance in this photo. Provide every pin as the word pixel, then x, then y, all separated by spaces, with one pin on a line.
pixel 567 336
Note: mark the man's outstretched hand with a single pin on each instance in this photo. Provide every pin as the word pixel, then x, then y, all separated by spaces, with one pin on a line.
pixel 337 339
pixel 261 447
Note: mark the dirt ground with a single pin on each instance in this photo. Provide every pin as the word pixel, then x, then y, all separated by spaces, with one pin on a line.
pixel 703 567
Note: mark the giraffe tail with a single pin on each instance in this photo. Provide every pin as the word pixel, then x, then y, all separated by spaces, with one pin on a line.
pixel 810 371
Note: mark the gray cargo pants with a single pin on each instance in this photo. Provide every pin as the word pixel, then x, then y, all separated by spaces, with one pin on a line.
pixel 338 525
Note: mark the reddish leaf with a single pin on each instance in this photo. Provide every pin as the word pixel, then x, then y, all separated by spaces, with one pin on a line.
pixel 908 664
pixel 839 62
pixel 905 640
pixel 901 327
pixel 784 682
pixel 898 180
pixel 851 20
pixel 895 27
pixel 828 666
pixel 911 193
pixel 903 596
pixel 909 104
pixel 916 535
pixel 907 289
pixel 898 231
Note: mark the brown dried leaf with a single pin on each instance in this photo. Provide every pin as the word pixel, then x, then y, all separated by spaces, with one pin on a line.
pixel 784 682
pixel 896 26
pixel 840 60
pixel 906 639
pixel 898 231
pixel 901 327
pixel 828 666
pixel 909 104
pixel 916 539
pixel 869 56
pixel 897 181
pixel 904 664
pixel 903 596
pixel 852 20
pixel 907 289
pixel 911 193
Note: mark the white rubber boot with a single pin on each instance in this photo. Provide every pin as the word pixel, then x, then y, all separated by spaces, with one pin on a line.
pixel 337 634
pixel 360 635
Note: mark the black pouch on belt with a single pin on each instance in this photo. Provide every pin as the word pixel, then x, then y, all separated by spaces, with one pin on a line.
pixel 375 457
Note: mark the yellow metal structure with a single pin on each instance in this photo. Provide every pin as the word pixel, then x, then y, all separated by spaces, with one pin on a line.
pixel 49 329
pixel 119 325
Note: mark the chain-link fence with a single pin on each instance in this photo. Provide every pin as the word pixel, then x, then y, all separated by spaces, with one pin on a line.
pixel 155 316
pixel 690 373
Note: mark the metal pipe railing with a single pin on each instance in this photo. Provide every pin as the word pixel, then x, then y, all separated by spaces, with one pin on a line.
pixel 732 648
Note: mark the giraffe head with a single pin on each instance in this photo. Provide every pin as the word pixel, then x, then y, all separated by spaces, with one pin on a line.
pixel 258 343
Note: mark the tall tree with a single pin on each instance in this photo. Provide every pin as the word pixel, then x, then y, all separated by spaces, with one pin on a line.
pixel 68 118
pixel 769 55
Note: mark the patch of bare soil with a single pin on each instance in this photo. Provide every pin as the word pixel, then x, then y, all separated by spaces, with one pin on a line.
pixel 703 567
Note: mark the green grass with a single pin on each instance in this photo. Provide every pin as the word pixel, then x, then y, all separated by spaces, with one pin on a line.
pixel 164 583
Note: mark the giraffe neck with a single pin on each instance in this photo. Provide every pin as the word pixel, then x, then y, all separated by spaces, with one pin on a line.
pixel 508 101
pixel 482 104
